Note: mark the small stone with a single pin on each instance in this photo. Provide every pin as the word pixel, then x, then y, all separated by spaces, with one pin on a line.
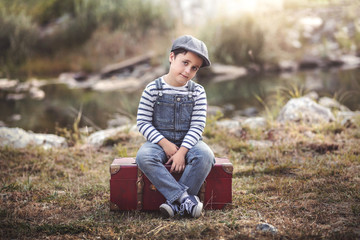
pixel 255 123
pixel 265 227
pixel 7 84
pixel 228 124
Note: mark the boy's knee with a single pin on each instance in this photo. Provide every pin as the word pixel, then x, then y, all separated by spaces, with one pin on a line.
pixel 204 157
pixel 147 155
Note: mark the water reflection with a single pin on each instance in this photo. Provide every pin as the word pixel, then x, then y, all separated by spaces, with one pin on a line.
pixel 61 104
pixel 343 85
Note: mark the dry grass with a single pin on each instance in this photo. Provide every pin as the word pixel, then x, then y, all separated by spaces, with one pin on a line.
pixel 307 187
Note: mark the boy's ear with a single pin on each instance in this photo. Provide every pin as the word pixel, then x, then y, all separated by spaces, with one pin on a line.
pixel 171 57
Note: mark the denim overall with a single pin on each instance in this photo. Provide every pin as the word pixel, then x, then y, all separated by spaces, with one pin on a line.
pixel 172 118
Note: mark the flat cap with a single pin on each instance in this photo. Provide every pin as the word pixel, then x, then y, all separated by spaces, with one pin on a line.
pixel 194 45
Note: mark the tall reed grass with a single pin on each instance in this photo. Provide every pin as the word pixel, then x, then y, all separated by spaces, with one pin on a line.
pixel 46 29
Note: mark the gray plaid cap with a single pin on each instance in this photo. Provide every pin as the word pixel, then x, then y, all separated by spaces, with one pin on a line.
pixel 192 44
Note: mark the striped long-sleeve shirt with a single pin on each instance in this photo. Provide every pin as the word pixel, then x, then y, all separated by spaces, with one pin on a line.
pixel 146 109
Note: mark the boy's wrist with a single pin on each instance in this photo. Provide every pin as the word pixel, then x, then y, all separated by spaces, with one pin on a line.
pixel 162 142
pixel 183 150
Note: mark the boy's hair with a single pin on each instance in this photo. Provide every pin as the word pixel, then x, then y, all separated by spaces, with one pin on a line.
pixel 179 50
pixel 183 51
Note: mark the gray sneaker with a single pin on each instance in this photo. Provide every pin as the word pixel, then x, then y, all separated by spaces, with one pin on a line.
pixel 169 209
pixel 191 205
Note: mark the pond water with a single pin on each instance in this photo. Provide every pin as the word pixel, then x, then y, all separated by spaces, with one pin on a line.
pixel 61 105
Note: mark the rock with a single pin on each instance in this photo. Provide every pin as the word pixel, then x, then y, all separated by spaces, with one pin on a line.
pixel 309 24
pixel 214 110
pixel 48 140
pixel 118 121
pixel 71 82
pixel 255 122
pixel 228 124
pixel 80 76
pixel 309 134
pixel 15 96
pixel 248 112
pixel 114 83
pixel 15 117
pixel 312 95
pixel 347 118
pixel 332 104
pixel 126 65
pixel 14 137
pixel 229 108
pixel 97 139
pixel 287 65
pixel 350 61
pixel 7 84
pixel 305 110
pixel 265 227
pixel 19 138
pixel 310 62
pixel 36 93
pixel 260 144
pixel 226 72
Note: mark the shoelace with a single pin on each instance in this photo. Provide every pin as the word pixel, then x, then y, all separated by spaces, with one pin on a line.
pixel 175 207
pixel 186 206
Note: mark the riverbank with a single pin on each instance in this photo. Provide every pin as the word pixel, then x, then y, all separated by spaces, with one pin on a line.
pixel 299 175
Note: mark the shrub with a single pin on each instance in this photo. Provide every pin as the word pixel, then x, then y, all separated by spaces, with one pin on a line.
pixel 17 38
pixel 238 42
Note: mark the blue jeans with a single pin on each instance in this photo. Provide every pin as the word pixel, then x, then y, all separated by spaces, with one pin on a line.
pixel 199 161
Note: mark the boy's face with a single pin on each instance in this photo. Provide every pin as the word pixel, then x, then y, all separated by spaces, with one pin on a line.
pixel 183 67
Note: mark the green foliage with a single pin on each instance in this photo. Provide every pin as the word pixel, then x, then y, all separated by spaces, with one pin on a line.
pixel 45 12
pixel 238 42
pixel 134 15
pixel 45 28
pixel 17 38
pixel 121 150
pixel 72 136
pixel 293 91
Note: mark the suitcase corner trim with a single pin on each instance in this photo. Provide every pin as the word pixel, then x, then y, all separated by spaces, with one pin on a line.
pixel 228 168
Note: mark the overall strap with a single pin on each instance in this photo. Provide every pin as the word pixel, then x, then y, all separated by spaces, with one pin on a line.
pixel 158 84
pixel 191 88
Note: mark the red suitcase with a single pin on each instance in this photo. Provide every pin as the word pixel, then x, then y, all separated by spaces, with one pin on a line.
pixel 130 189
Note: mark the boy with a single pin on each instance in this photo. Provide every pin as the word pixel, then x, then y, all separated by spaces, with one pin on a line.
pixel 172 116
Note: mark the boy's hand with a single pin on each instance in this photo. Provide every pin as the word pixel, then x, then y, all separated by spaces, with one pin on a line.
pixel 169 148
pixel 178 160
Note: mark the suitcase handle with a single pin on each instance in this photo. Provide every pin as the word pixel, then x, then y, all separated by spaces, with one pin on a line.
pixel 139 190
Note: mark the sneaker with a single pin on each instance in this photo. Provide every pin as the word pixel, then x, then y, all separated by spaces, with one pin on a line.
pixel 191 205
pixel 169 209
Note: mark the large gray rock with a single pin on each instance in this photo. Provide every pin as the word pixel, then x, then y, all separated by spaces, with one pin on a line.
pixel 19 138
pixel 305 110
pixel 98 139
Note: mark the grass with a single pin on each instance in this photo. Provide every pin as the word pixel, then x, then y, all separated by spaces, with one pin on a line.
pixel 308 188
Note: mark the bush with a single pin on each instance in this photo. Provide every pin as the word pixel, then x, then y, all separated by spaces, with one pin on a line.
pixel 49 28
pixel 134 15
pixel 17 38
pixel 238 42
